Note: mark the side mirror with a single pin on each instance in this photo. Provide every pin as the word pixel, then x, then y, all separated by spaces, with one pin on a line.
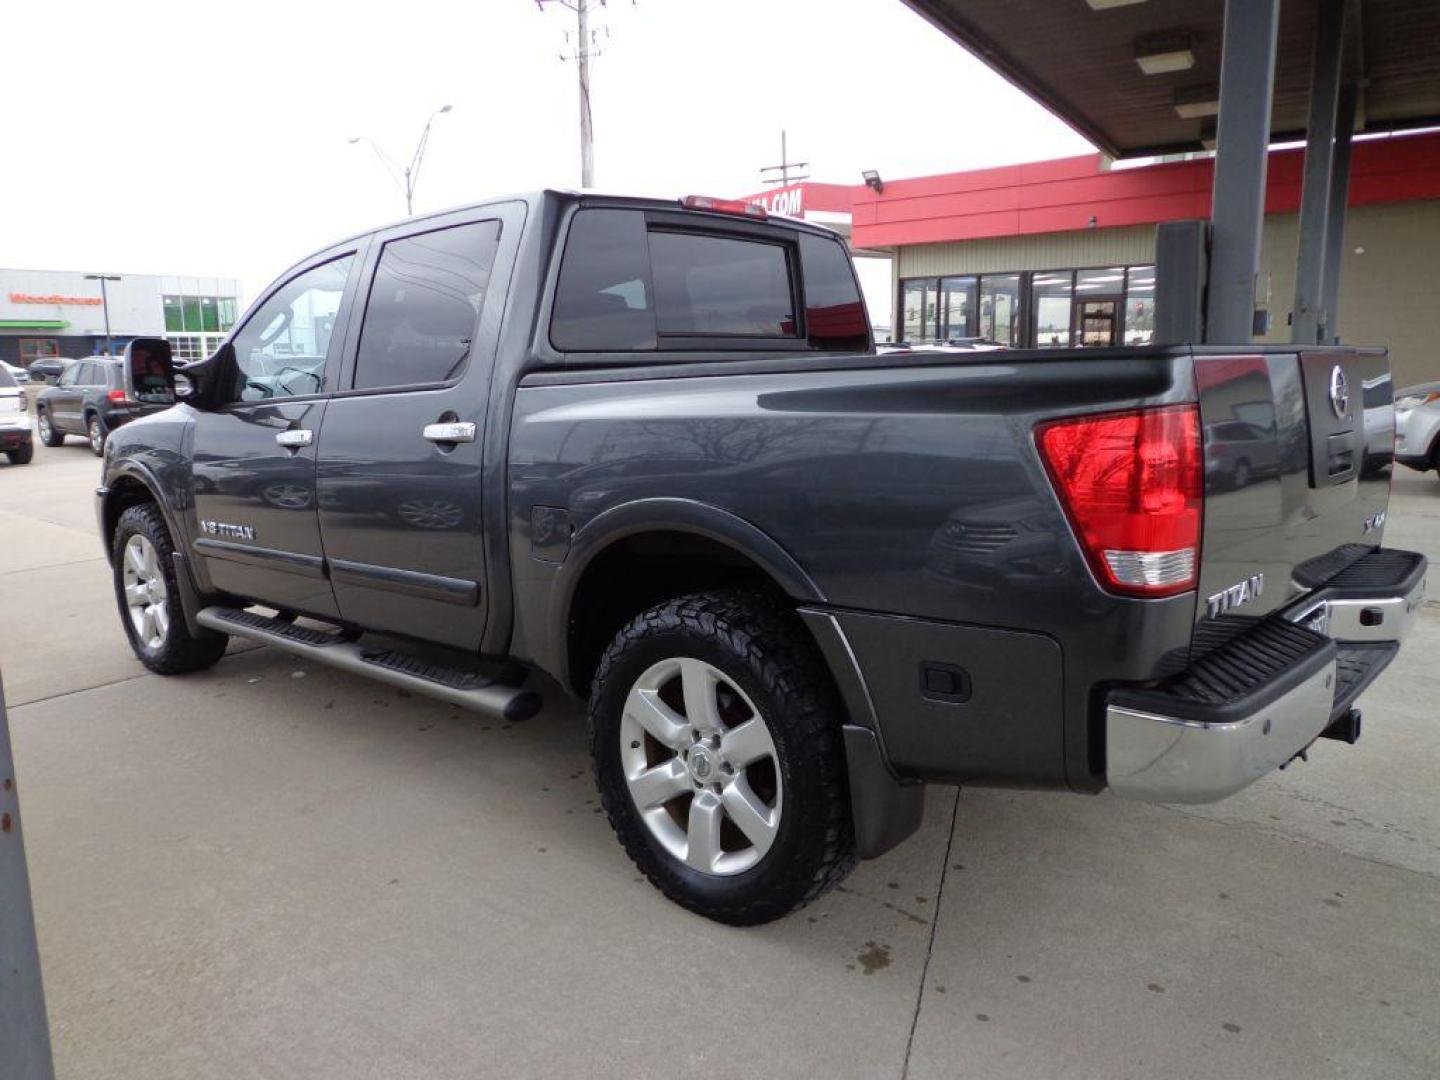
pixel 207 384
pixel 150 371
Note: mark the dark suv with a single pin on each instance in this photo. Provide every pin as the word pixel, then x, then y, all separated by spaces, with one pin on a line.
pixel 88 399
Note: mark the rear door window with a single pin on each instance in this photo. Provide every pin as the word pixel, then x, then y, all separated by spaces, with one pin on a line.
pixel 424 306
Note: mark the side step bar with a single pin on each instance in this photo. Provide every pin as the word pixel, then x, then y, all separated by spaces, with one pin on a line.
pixel 459 687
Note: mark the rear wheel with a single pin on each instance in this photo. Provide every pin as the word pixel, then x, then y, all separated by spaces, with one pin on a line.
pixel 95 432
pixel 715 737
pixel 146 590
pixel 22 454
pixel 50 435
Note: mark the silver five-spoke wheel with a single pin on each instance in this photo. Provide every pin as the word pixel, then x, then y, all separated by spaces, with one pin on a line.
pixel 146 597
pixel 701 766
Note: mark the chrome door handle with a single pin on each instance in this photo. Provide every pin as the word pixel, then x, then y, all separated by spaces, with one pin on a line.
pixel 295 438
pixel 461 431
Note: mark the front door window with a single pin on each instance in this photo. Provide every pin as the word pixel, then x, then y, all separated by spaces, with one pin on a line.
pixel 281 350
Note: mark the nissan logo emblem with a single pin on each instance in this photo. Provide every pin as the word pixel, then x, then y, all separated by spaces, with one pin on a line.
pixel 1339 392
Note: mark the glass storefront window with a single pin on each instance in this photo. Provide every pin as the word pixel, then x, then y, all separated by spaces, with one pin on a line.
pixel 957 308
pixel 1140 306
pixel 1051 291
pixel 199 314
pixel 1000 308
pixel 1107 281
pixel 918 302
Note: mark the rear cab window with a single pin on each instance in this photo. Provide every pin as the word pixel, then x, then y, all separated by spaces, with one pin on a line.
pixel 639 281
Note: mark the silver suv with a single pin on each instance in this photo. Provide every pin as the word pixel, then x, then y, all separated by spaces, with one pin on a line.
pixel 15 438
pixel 1417 426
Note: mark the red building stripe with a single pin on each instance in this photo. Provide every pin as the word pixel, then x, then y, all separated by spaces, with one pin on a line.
pixel 1056 196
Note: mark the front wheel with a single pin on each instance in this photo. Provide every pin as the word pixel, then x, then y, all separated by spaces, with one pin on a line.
pixel 146 590
pixel 715 737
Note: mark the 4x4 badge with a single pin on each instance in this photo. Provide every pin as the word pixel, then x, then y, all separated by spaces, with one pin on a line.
pixel 234 532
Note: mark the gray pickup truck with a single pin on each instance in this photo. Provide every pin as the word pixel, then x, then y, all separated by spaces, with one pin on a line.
pixel 647 448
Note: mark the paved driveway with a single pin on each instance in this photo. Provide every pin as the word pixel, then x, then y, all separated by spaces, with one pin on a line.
pixel 274 870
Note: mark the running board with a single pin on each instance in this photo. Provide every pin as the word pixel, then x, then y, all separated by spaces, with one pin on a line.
pixel 464 688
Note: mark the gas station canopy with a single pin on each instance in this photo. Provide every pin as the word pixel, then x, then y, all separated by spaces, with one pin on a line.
pixel 1141 77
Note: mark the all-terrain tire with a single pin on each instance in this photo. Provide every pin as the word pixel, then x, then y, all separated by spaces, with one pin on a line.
pixel 178 651
pixel 766 652
pixel 22 454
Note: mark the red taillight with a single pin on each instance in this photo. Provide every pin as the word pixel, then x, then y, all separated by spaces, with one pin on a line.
pixel 117 396
pixel 724 206
pixel 1133 487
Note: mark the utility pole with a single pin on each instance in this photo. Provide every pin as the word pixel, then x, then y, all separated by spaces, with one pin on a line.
pixel 582 64
pixel 587 41
pixel 105 305
pixel 784 167
pixel 408 177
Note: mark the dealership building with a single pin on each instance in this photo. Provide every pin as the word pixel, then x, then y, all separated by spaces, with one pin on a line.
pixel 63 313
pixel 1059 253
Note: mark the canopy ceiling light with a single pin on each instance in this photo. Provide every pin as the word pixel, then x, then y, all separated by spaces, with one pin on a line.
pixel 1164 53
pixel 1106 5
pixel 1197 102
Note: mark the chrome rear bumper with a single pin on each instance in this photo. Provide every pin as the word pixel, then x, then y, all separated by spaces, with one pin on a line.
pixel 1181 744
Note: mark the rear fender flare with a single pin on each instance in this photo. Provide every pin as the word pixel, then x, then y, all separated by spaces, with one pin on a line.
pixel 662 515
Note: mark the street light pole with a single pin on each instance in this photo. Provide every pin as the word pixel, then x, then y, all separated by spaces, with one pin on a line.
pixel 407 177
pixel 105 305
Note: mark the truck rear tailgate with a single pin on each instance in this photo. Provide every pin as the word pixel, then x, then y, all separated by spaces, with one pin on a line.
pixel 1296 488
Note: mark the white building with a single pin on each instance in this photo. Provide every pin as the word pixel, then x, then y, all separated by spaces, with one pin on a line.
pixel 62 313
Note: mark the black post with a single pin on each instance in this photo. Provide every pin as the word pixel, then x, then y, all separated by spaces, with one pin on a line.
pixel 105 305
pixel 24 1032
pixel 105 309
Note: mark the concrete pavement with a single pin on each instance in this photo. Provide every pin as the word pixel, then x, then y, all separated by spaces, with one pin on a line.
pixel 274 870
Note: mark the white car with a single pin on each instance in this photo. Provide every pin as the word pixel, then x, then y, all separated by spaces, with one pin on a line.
pixel 19 374
pixel 1417 426
pixel 16 440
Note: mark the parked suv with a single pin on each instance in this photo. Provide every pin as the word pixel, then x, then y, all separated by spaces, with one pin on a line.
pixel 647 448
pixel 14 424
pixel 89 399
pixel 1417 426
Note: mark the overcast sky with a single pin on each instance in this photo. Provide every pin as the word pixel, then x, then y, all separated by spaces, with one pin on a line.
pixel 208 138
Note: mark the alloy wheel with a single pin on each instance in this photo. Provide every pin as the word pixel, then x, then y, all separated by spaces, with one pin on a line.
pixel 97 438
pixel 43 422
pixel 701 766
pixel 147 599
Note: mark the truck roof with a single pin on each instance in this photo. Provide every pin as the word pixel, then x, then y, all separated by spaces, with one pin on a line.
pixel 535 197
